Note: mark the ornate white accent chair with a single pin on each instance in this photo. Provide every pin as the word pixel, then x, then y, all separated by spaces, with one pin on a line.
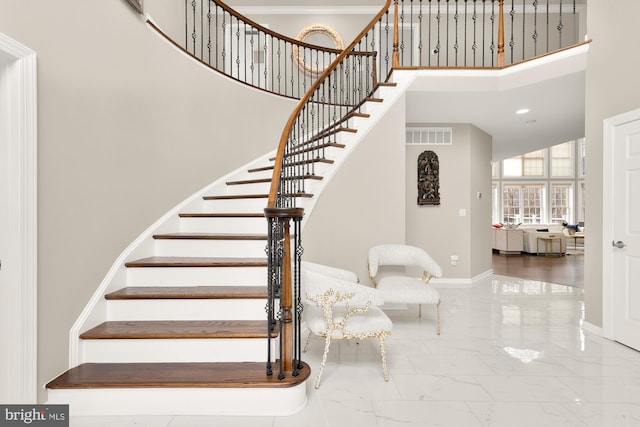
pixel 401 287
pixel 337 307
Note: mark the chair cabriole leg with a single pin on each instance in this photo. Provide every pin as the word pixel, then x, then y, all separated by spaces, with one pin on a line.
pixel 383 356
pixel 327 343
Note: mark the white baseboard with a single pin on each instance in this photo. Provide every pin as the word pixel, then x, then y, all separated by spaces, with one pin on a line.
pixel 459 282
pixel 590 327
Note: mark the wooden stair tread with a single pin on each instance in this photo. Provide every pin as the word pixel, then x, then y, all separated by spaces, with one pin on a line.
pixel 358 114
pixel 374 99
pixel 222 215
pixel 175 375
pixel 252 196
pixel 178 329
pixel 388 84
pixel 304 162
pixel 188 292
pixel 159 261
pixel 308 147
pixel 210 236
pixel 267 180
pixel 236 196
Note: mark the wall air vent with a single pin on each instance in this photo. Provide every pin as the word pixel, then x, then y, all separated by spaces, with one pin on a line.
pixel 429 136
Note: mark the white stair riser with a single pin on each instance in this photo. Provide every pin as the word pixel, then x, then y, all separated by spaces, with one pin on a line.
pixel 187 309
pixel 211 248
pixel 173 350
pixel 224 225
pixel 194 276
pixel 236 205
pixel 182 401
pixel 253 188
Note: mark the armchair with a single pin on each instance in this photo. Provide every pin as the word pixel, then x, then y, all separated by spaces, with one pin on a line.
pixel 400 287
pixel 336 307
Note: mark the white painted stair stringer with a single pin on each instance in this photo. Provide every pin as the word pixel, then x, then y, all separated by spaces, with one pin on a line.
pixel 95 312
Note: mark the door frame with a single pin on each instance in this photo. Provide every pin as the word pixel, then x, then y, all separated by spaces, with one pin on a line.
pixel 609 133
pixel 20 75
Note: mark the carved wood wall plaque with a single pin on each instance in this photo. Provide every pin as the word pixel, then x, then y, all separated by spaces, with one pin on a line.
pixel 428 179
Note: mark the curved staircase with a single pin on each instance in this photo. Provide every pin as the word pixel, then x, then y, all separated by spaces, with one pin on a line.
pixel 179 324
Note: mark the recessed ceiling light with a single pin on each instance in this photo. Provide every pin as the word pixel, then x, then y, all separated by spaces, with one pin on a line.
pixel 522 111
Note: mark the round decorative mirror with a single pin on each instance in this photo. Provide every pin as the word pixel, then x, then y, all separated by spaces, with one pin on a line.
pixel 319 35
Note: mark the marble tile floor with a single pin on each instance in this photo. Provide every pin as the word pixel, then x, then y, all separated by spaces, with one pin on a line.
pixel 512 353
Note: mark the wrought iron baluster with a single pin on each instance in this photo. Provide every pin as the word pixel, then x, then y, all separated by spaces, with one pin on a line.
pixel 411 33
pixel 456 45
pixel 474 47
pixel 224 40
pixel 217 38
pixel 484 21
pixel 524 37
pixel 447 38
pixel 194 34
pixel 547 25
pixel 512 42
pixel 202 29
pixel 560 27
pixel 209 32
pixel 297 295
pixel 238 60
pixel 420 45
pixel 535 28
pixel 437 49
pixel 465 31
pixel 251 59
pixel 429 36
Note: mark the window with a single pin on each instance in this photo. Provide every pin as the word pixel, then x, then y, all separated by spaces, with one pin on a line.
pixel 562 160
pixel 522 203
pixel 544 186
pixel 561 197
pixel 526 165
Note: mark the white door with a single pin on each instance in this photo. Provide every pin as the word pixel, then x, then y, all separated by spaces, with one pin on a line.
pixel 622 245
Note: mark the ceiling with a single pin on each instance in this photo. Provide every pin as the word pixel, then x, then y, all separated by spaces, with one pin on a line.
pixel 552 88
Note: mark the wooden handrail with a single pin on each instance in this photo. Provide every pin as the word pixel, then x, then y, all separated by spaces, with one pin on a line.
pixel 272 33
pixel 277 169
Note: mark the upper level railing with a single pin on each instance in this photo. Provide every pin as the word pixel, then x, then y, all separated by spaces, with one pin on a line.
pixel 249 52
pixel 483 33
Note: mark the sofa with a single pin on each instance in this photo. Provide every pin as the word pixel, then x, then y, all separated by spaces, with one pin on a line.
pixel 531 233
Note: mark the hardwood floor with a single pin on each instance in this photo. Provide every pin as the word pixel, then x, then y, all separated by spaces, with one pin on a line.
pixel 566 270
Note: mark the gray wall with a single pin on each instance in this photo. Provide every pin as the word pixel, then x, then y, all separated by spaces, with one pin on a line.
pixel 365 203
pixel 127 128
pixel 611 88
pixel 465 169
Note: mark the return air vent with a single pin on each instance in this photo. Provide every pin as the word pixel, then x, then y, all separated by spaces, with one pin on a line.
pixel 429 136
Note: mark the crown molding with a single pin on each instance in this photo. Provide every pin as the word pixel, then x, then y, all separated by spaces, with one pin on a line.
pixel 307 10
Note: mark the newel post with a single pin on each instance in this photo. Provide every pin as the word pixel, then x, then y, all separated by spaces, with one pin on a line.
pixel 396 36
pixel 500 33
pixel 284 288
